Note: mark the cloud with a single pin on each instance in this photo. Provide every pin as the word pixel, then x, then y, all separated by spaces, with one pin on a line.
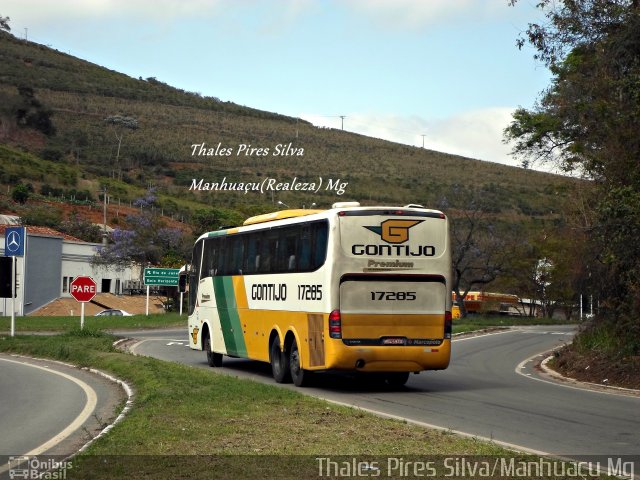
pixel 474 134
pixel 46 12
pixel 417 14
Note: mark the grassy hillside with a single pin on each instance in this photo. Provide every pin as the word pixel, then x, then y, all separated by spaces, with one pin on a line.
pixel 83 154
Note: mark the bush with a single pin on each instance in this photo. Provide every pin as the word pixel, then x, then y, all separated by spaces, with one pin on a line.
pixel 52 154
pixel 42 216
pixel 20 194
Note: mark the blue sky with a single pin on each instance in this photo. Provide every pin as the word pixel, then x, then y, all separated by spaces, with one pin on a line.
pixel 397 69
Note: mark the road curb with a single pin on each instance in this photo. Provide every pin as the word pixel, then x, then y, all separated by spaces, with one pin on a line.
pixel 546 369
pixel 128 345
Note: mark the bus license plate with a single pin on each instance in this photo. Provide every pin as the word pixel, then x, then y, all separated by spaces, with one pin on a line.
pixel 394 341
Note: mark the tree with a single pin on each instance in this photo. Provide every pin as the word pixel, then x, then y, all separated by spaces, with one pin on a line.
pixel 4 23
pixel 479 252
pixel 587 120
pixel 214 219
pixel 146 241
pixel 120 123
pixel 78 227
pixel 30 112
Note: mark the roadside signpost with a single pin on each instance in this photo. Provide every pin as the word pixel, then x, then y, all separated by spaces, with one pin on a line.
pixel 15 241
pixel 161 276
pixel 167 277
pixel 83 289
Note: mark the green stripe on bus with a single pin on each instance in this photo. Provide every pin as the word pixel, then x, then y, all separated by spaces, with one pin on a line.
pixel 221 303
pixel 234 317
pixel 218 233
pixel 229 319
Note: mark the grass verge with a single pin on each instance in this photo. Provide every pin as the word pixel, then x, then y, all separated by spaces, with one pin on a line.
pixel 598 354
pixel 59 324
pixel 191 423
pixel 478 322
pixel 166 320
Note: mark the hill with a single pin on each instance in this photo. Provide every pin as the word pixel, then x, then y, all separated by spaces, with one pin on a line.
pixel 94 147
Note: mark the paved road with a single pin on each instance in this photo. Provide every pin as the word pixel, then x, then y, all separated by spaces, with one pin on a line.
pixel 481 394
pixel 50 409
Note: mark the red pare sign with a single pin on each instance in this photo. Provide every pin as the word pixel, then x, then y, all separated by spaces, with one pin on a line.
pixel 83 289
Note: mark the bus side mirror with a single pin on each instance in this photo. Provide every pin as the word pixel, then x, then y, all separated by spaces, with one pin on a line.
pixel 182 283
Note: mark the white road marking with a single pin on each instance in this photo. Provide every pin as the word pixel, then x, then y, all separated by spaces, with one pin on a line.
pixel 472 337
pixel 92 400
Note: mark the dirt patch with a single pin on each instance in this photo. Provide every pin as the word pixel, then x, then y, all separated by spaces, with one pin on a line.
pixel 597 368
pixel 93 213
pixel 134 304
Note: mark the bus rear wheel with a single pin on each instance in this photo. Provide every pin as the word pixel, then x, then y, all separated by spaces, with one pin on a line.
pixel 213 359
pixel 279 362
pixel 299 376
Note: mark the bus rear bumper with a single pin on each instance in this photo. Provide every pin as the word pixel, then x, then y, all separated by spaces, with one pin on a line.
pixel 390 358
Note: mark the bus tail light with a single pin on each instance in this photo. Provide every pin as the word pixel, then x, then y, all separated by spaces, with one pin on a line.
pixel 447 324
pixel 335 324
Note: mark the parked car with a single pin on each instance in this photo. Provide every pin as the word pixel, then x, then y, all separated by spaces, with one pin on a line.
pixel 113 312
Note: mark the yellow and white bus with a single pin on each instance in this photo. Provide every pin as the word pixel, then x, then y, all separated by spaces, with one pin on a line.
pixel 350 288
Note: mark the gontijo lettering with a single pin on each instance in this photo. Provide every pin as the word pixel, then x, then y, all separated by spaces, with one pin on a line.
pixel 269 291
pixel 391 250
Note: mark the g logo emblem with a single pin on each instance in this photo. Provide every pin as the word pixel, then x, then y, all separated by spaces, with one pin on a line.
pixel 395 231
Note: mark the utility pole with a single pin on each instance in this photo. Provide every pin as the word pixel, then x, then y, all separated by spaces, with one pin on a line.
pixel 26 36
pixel 104 212
pixel 343 117
pixel 423 140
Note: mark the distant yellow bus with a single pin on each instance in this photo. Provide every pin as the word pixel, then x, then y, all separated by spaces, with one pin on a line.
pixel 350 288
pixel 488 302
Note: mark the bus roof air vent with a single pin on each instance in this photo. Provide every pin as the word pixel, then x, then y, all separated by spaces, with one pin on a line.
pixel 413 205
pixel 345 204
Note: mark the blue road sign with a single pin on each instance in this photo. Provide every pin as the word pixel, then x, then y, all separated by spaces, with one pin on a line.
pixel 14 241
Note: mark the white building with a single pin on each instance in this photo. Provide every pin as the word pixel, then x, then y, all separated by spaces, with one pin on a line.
pixel 52 260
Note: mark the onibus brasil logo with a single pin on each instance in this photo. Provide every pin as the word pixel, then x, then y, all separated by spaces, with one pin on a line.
pixel 41 468
pixel 395 233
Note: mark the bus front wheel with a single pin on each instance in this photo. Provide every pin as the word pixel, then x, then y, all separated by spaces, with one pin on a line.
pixel 299 376
pixel 279 362
pixel 213 359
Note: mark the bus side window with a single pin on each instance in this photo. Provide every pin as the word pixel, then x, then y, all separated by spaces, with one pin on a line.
pixel 233 249
pixel 292 248
pixel 252 258
pixel 321 232
pixel 238 256
pixel 304 249
pixel 268 252
pixel 209 258
pixel 194 275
